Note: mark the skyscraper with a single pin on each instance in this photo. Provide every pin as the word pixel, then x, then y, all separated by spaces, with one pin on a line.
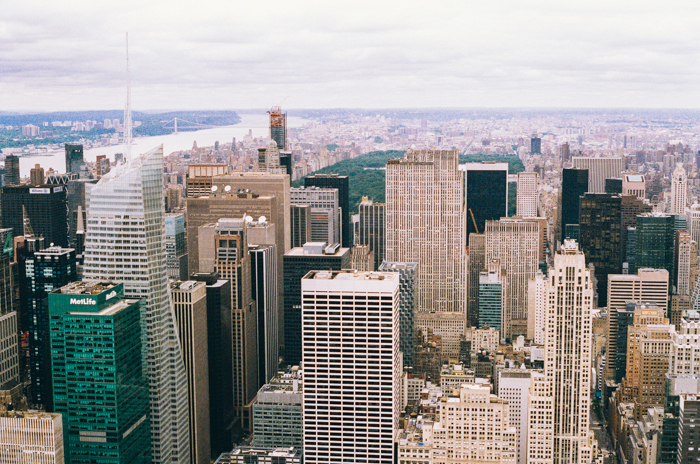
pixel 407 287
pixel 491 284
pixel 527 194
pixel 325 212
pixel 95 330
pixel 600 237
pixel 278 127
pixel 631 207
pixel 634 184
pixel 263 271
pixel 535 145
pixel 190 303
pixel 45 442
pixel 679 190
pixel 300 225
pixel 11 170
pixel 486 186
pixel 45 206
pixel 125 242
pixel 599 169
pixel 341 183
pixel 515 243
pixel 574 184
pixel 9 348
pixel 36 175
pixel 297 263
pixel 654 242
pixel 339 369
pixel 74 157
pixel 425 224
pixel 372 231
pixel 686 263
pixel 475 264
pixel 176 246
pixel 567 366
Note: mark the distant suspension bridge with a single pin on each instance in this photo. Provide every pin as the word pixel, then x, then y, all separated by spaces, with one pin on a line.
pixel 183 124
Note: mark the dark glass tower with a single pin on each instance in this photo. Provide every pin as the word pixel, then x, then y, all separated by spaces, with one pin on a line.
pixel 343 186
pixel 42 271
pixel 46 209
pixel 655 242
pixel 487 194
pixel 574 184
pixel 535 145
pixel 100 386
pixel 371 229
pixel 11 170
pixel 297 263
pixel 74 157
pixel 600 237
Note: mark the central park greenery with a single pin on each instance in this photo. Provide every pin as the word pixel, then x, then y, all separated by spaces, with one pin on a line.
pixel 366 174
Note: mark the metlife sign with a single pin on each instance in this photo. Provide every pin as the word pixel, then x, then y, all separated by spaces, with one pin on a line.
pixel 82 302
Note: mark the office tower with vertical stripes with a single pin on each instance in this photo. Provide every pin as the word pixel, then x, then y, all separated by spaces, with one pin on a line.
pixel 342 183
pixel 599 169
pixel 679 190
pixel 352 370
pixel 528 195
pixel 125 242
pixel 425 223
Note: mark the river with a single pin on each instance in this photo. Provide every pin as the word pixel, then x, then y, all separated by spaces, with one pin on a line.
pixel 257 123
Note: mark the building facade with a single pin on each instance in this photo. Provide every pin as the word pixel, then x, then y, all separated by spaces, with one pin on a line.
pixel 528 194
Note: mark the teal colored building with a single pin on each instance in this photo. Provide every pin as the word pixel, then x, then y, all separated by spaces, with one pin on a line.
pixel 99 385
pixel 490 300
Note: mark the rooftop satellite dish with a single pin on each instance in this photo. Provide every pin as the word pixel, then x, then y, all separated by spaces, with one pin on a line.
pixel 214 188
pixel 227 188
pixel 248 219
pixel 262 219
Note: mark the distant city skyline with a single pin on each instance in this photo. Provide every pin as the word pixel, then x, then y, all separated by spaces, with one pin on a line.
pixel 373 55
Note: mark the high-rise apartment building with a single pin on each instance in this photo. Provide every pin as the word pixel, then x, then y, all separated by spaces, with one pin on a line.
pixel 425 224
pixel 686 263
pixel 371 229
pixel 176 246
pixel 42 272
pixel 684 354
pixel 95 330
pixel 325 212
pixel 486 193
pixel 297 263
pixel 514 387
pixel 407 287
pixel 600 239
pixel 190 303
pixel 694 222
pixel 31 438
pixel 474 427
pixel 679 190
pixel 264 276
pixel 599 169
pixel 278 127
pixel 125 242
pixel 515 242
pixel 44 205
pixel 562 402
pixel 11 170
pixel 269 159
pixel 654 242
pixel 74 157
pixel 564 153
pixel 342 184
pixel 648 348
pixel 36 175
pixel 535 145
pixel 573 185
pixel 528 194
pixel 352 365
pixel 537 308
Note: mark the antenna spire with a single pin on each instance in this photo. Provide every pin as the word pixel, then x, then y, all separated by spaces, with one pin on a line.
pixel 127 110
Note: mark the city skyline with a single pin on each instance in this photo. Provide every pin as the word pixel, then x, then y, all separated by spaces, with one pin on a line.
pixel 206 55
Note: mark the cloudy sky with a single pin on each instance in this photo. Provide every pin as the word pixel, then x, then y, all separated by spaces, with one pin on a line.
pixel 203 54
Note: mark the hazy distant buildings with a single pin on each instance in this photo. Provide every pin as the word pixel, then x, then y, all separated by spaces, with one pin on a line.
pixel 425 224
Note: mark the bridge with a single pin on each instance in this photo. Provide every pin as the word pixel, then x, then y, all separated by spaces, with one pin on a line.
pixel 183 124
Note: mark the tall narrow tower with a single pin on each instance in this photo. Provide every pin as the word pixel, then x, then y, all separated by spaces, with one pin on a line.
pixel 679 190
pixel 125 242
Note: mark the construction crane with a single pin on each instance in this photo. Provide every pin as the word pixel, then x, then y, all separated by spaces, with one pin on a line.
pixel 476 228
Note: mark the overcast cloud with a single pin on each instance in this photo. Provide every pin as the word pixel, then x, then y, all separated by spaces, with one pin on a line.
pixel 202 54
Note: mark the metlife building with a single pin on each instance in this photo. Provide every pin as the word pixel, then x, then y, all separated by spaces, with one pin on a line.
pixel 100 384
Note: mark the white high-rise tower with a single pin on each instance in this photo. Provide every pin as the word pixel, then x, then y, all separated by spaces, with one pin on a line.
pixel 528 197
pixel 679 190
pixel 125 242
pixel 567 365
